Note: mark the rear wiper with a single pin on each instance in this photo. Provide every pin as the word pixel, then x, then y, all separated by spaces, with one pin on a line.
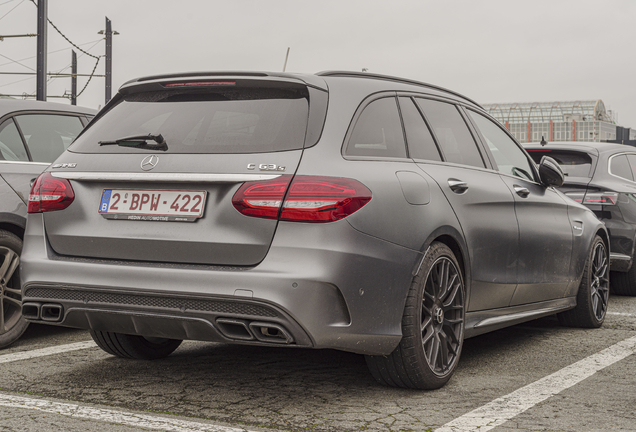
pixel 140 141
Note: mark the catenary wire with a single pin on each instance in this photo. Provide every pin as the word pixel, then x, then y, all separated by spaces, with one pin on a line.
pixel 11 9
pixel 94 42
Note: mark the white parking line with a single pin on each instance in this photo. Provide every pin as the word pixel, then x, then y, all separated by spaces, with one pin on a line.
pixel 111 416
pixel 622 314
pixel 504 408
pixel 25 355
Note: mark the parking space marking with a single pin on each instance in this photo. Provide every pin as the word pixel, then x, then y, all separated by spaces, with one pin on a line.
pixel 58 349
pixel 622 314
pixel 505 408
pixel 112 416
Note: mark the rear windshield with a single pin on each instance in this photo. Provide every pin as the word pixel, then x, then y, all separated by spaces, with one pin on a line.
pixel 244 120
pixel 573 164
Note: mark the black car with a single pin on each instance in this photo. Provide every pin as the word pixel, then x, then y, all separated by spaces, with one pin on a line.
pixel 602 176
pixel 350 211
pixel 32 135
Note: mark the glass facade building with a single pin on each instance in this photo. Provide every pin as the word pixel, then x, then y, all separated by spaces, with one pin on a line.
pixel 556 121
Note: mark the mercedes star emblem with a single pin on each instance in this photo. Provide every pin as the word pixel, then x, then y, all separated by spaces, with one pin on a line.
pixel 149 162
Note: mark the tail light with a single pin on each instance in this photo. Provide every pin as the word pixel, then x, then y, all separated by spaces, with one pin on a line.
pixel 305 199
pixel 594 198
pixel 49 193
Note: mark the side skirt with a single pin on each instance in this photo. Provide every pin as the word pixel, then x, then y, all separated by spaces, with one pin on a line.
pixel 489 320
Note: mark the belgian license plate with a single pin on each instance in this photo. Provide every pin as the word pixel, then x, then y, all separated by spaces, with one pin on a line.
pixel 152 205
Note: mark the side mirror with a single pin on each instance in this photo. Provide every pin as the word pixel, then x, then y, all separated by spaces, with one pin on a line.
pixel 550 172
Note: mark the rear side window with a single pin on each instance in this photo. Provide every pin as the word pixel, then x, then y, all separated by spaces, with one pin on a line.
pixel 233 120
pixel 419 138
pixel 48 135
pixel 11 146
pixel 378 131
pixel 619 166
pixel 573 164
pixel 451 132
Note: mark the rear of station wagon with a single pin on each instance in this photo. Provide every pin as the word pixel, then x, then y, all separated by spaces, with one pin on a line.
pixel 314 211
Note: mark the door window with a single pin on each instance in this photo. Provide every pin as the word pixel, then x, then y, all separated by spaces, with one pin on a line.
pixel 11 145
pixel 48 135
pixel 452 134
pixel 509 157
pixel 419 139
pixel 378 131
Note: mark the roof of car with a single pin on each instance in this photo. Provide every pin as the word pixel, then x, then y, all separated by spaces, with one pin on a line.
pixel 587 146
pixel 10 105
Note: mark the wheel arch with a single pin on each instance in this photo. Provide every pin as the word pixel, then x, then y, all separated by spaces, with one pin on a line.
pixel 455 241
pixel 13 223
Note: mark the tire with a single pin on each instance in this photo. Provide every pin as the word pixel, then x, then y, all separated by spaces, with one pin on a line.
pixel 432 327
pixel 593 294
pixel 135 347
pixel 12 323
pixel 624 283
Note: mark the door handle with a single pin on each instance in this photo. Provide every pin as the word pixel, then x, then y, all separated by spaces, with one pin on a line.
pixel 457 186
pixel 521 191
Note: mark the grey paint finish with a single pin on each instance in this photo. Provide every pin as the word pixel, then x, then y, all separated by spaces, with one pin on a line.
pixel 336 285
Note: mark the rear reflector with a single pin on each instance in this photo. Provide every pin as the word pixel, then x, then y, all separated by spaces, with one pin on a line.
pixel 308 199
pixel 594 198
pixel 49 193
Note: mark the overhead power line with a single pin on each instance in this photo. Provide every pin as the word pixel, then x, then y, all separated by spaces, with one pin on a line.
pixel 67 39
pixel 11 9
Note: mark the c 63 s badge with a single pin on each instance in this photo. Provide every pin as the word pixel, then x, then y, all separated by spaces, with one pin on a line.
pixel 64 165
pixel 265 167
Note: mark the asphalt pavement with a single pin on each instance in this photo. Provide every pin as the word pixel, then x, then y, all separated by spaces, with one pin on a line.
pixel 538 376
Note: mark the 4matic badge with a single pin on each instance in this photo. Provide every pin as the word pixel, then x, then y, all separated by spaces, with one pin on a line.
pixel 266 167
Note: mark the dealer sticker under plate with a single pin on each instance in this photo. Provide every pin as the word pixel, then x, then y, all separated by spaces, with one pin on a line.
pixel 152 205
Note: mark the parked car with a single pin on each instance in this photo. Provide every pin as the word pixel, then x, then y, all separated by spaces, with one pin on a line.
pixel 342 210
pixel 32 135
pixel 602 176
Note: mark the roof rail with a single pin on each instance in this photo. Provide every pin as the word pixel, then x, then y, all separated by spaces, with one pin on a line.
pixel 392 78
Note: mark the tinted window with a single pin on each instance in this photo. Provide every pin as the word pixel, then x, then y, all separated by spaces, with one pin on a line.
pixel 378 131
pixel 419 138
pixel 11 146
pixel 632 163
pixel 619 166
pixel 573 164
pixel 451 132
pixel 230 120
pixel 48 135
pixel 509 157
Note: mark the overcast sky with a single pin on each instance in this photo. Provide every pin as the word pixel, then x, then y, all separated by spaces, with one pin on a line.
pixel 489 50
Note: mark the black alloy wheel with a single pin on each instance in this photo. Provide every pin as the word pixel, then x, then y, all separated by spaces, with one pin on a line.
pixel 12 324
pixel 442 316
pixel 593 295
pixel 432 327
pixel 600 281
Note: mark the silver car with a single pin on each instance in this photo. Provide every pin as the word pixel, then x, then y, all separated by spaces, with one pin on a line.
pixel 32 135
pixel 350 211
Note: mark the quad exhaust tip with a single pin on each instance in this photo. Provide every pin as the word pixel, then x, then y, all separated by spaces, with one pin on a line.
pixel 49 312
pixel 256 330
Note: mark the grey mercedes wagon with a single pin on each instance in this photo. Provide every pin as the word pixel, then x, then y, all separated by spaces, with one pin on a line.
pixel 342 210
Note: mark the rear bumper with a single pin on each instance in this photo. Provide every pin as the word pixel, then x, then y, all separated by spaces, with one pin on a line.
pixel 320 285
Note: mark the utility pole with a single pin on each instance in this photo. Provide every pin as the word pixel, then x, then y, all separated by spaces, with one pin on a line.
pixel 42 46
pixel 109 59
pixel 73 78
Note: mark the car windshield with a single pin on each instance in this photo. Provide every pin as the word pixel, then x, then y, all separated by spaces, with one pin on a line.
pixel 224 121
pixel 573 163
